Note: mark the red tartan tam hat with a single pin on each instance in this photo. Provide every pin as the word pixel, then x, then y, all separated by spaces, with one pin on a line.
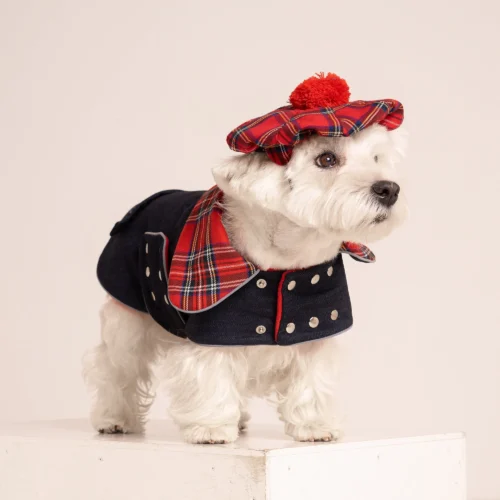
pixel 319 105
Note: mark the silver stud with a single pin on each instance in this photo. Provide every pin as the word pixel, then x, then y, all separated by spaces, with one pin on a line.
pixel 260 329
pixel 148 272
pixel 153 296
pixel 159 275
pixel 330 271
pixel 166 299
pixel 262 283
pixel 315 279
pixel 290 328
pixel 334 315
pixel 147 247
pixel 291 285
pixel 313 322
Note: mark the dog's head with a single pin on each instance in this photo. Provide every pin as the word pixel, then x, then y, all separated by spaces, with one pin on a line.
pixel 347 186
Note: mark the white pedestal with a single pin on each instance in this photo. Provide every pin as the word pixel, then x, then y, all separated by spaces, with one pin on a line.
pixel 65 460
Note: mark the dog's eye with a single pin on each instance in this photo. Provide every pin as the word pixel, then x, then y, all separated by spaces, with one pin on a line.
pixel 376 158
pixel 326 160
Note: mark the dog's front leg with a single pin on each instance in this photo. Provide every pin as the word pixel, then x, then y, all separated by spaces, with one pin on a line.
pixel 204 385
pixel 306 394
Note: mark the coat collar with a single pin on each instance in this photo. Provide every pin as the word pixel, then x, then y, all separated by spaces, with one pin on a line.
pixel 206 269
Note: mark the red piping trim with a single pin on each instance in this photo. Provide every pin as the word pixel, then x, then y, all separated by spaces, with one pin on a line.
pixel 279 305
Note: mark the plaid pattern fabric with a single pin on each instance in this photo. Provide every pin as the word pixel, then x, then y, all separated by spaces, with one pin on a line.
pixel 357 251
pixel 278 132
pixel 205 267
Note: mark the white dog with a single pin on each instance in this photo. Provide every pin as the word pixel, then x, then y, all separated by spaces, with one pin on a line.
pixel 333 189
pixel 182 269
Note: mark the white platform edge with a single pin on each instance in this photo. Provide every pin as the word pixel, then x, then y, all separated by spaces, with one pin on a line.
pixel 66 459
pixel 164 435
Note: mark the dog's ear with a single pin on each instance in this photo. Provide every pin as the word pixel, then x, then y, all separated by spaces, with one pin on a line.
pixel 399 139
pixel 251 177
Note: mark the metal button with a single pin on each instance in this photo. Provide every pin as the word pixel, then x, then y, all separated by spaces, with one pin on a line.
pixel 147 247
pixel 315 279
pixel 330 271
pixel 313 322
pixel 290 328
pixel 260 329
pixel 159 275
pixel 334 315
pixel 166 299
pixel 153 295
pixel 148 272
pixel 262 283
pixel 291 285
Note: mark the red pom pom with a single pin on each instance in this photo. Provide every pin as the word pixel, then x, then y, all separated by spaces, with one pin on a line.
pixel 320 91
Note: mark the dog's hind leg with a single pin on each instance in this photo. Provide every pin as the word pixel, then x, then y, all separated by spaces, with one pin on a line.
pixel 119 369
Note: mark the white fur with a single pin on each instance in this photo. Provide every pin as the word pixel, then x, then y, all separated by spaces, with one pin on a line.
pixel 279 217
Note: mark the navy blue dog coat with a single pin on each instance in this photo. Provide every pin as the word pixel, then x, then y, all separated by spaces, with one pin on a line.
pixel 170 256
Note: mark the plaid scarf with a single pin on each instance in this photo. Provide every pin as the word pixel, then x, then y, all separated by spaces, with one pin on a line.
pixel 205 268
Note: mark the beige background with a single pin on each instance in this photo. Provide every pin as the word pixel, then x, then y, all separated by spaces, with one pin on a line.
pixel 104 102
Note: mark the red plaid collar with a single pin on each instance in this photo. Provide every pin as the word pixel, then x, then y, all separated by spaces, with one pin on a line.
pixel 206 269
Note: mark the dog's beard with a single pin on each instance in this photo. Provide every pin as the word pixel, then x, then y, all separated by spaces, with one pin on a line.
pixel 357 211
pixel 345 214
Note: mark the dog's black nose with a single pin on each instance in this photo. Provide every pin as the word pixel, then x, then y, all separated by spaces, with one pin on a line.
pixel 387 192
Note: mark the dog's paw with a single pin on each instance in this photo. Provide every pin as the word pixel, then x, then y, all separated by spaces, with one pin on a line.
pixel 313 433
pixel 111 425
pixel 112 429
pixel 199 434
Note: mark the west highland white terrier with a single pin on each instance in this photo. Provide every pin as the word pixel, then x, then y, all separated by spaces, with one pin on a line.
pixel 240 290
